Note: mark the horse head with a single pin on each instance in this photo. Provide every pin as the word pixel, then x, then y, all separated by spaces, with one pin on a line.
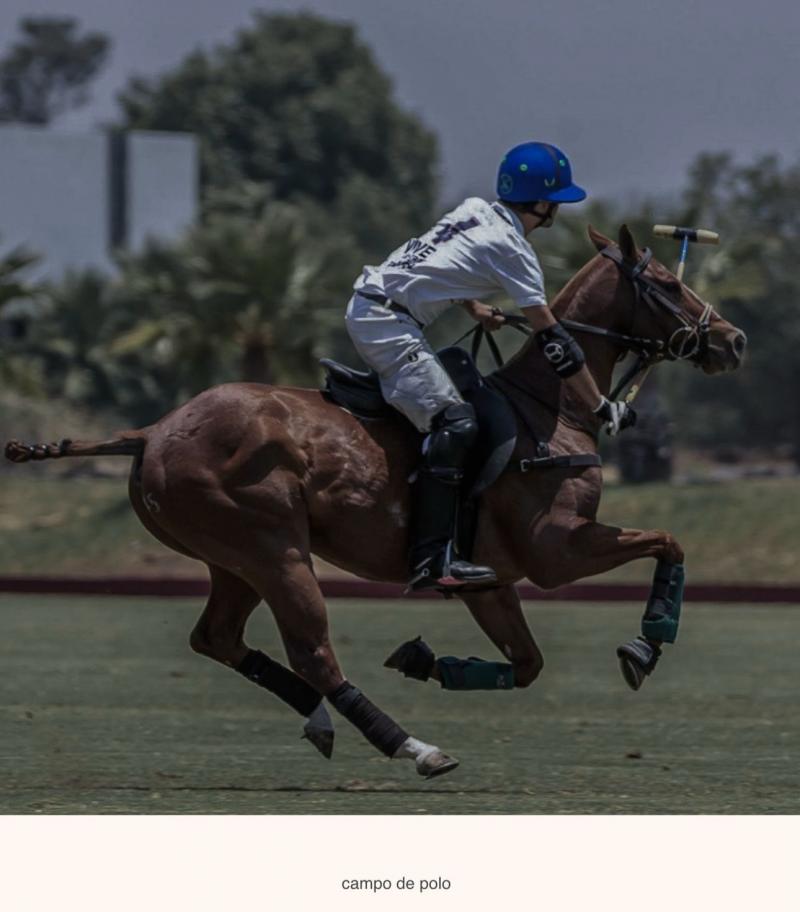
pixel 648 302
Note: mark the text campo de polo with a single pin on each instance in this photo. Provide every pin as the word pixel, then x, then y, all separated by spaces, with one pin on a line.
pixel 423 885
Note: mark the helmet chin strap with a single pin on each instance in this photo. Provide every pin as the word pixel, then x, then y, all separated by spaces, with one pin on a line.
pixel 546 220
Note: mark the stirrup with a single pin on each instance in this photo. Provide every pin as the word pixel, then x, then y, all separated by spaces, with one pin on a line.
pixel 441 573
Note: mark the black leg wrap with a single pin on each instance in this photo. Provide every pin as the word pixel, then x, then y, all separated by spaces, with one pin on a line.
pixel 291 688
pixel 374 725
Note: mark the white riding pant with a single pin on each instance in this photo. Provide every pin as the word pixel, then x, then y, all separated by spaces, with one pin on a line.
pixel 392 344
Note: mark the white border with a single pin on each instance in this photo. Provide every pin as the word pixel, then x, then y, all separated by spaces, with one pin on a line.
pixel 657 864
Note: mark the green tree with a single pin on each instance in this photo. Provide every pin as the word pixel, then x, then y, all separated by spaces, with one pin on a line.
pixel 298 103
pixel 254 293
pixel 13 284
pixel 15 371
pixel 45 73
pixel 69 337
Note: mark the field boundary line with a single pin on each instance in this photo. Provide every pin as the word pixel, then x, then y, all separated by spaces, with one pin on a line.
pixel 166 587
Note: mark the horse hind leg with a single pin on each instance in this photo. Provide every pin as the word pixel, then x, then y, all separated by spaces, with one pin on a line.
pixel 287 583
pixel 498 613
pixel 219 635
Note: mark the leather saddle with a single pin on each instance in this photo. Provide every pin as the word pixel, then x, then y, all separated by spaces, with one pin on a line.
pixel 360 393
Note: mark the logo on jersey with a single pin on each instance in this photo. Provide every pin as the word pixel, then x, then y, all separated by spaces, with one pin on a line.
pixel 416 250
pixel 554 352
pixel 506 184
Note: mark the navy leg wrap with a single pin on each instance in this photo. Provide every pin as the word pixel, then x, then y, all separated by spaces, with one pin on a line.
pixel 285 684
pixel 374 725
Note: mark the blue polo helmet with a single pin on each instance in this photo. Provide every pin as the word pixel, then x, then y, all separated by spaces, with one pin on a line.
pixel 537 171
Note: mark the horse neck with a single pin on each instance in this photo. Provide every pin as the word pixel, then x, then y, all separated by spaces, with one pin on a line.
pixel 590 297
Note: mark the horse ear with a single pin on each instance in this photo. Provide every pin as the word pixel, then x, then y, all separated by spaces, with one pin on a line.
pixel 627 244
pixel 600 241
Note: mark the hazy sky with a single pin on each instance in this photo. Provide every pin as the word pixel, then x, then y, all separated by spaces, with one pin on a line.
pixel 631 89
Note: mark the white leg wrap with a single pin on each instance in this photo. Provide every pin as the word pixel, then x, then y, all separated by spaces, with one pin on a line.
pixel 413 749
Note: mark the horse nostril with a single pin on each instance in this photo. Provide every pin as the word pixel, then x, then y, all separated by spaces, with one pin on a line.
pixel 739 344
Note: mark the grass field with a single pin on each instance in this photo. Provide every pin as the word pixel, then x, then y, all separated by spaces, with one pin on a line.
pixel 104 709
pixel 744 530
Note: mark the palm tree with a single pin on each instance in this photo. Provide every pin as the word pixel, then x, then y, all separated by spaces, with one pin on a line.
pixel 12 284
pixel 15 371
pixel 69 338
pixel 255 296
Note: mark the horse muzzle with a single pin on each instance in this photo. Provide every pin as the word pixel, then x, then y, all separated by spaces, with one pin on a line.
pixel 725 350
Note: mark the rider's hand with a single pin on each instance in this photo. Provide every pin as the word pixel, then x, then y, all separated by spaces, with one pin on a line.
pixel 490 318
pixel 617 416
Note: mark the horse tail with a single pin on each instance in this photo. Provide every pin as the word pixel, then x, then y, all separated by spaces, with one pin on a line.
pixel 126 443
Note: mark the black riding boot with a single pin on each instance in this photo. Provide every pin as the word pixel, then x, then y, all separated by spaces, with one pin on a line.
pixel 435 493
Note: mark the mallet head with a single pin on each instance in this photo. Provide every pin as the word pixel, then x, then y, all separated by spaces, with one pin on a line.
pixel 685 235
pixel 696 235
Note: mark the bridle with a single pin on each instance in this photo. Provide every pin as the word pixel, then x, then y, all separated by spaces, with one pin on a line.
pixel 688 342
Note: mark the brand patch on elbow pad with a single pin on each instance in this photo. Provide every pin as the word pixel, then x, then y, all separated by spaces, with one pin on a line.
pixel 562 352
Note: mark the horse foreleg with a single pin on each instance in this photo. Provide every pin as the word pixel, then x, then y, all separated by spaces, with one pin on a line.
pixel 561 554
pixel 219 635
pixel 585 548
pixel 287 583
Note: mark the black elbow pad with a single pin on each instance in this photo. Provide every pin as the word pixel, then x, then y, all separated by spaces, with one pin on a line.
pixel 563 353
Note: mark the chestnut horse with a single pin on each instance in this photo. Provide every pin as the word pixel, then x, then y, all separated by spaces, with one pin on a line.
pixel 253 480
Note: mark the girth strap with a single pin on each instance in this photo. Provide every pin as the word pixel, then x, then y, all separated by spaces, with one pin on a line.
pixel 578 460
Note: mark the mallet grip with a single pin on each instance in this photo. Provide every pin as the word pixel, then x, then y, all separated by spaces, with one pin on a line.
pixel 696 235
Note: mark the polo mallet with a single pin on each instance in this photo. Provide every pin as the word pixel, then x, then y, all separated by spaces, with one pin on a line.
pixel 685 236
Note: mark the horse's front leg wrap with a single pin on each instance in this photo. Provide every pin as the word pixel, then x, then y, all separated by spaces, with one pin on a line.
pixel 285 684
pixel 474 674
pixel 381 731
pixel 663 611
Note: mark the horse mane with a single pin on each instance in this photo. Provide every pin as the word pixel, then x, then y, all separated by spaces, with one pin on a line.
pixel 564 298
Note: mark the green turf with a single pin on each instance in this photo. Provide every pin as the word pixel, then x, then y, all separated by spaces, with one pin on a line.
pixel 104 709
pixel 85 525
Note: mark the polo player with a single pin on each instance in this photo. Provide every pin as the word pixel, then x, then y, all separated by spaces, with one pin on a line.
pixel 476 250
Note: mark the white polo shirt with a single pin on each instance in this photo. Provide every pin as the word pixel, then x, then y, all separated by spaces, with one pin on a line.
pixel 474 251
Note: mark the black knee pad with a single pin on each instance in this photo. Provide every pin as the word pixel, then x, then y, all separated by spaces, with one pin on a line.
pixel 453 433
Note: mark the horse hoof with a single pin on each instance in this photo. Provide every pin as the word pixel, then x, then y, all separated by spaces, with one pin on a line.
pixel 632 671
pixel 637 659
pixel 321 738
pixel 415 659
pixel 436 764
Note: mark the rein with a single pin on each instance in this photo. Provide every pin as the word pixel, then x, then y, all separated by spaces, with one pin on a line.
pixel 689 342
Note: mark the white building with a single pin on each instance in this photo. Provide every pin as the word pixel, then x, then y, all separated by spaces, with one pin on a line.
pixel 76 197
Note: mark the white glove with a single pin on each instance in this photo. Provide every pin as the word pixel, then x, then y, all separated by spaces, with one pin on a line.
pixel 617 416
